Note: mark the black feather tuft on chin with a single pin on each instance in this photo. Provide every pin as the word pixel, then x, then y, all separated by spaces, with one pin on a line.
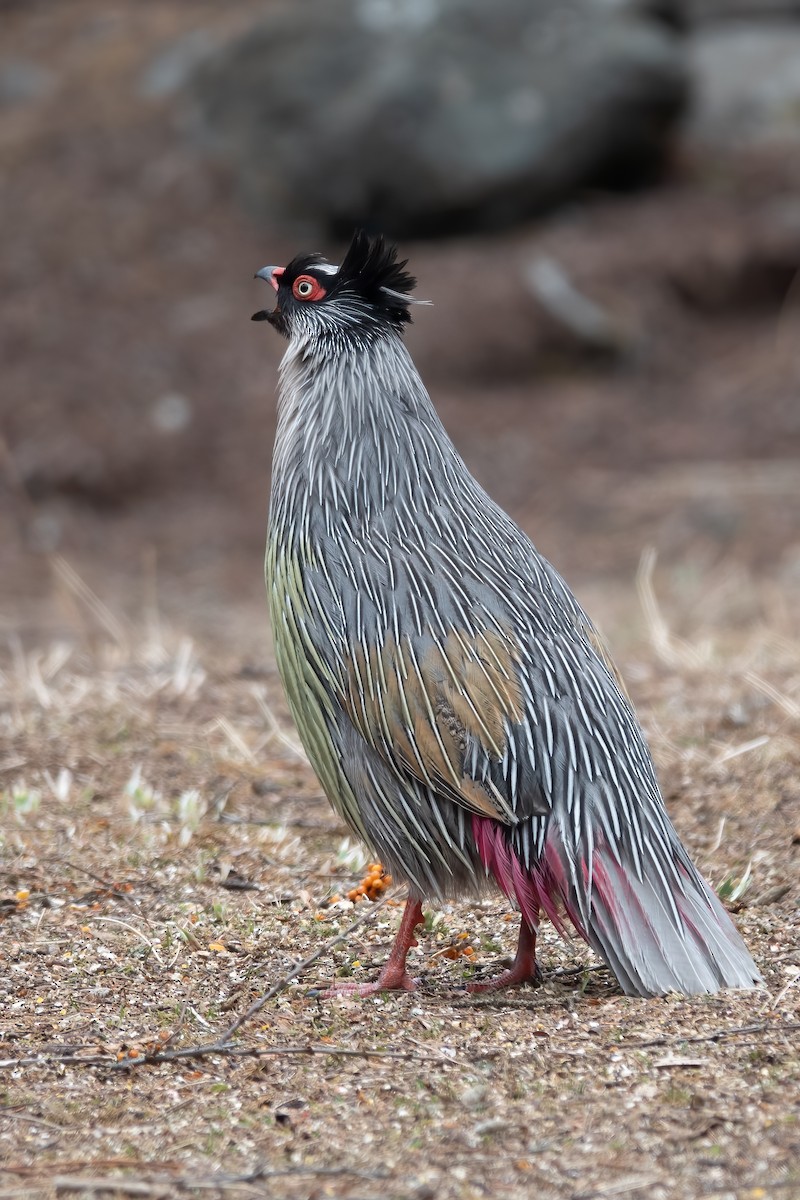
pixel 276 318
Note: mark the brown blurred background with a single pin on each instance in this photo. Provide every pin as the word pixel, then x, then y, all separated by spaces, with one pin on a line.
pixel 602 200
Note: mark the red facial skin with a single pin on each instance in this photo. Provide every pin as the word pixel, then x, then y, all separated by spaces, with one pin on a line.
pixel 306 287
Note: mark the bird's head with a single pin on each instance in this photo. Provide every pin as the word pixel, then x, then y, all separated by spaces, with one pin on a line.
pixel 366 296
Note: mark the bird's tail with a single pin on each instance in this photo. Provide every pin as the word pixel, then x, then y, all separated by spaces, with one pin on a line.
pixel 657 924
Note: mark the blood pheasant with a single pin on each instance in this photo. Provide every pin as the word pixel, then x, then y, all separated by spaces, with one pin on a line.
pixel 455 701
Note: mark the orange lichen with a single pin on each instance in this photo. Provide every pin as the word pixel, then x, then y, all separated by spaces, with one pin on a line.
pixel 372 886
pixel 460 947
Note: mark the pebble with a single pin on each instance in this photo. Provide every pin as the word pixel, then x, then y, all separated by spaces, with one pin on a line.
pixel 474 1097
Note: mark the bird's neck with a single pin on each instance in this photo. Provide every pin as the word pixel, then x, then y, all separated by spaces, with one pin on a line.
pixel 356 430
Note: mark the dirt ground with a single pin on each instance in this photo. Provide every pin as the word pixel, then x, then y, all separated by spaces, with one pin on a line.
pixel 168 858
pixel 165 854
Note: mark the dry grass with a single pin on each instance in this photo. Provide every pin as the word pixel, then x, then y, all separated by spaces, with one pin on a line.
pixel 167 858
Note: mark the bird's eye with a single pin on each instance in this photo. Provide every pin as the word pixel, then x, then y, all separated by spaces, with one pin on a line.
pixel 306 287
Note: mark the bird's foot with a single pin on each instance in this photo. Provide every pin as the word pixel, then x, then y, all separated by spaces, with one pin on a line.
pixel 524 969
pixel 387 981
pixel 515 975
pixel 394 977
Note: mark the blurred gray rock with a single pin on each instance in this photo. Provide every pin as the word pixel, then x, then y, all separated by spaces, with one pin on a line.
pixel 169 70
pixel 698 11
pixel 431 116
pixel 21 82
pixel 747 83
pixel 672 13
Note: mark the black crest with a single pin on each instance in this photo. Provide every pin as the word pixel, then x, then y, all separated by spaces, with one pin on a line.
pixel 371 270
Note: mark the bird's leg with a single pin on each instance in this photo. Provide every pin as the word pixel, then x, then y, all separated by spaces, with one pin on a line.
pixel 394 976
pixel 524 968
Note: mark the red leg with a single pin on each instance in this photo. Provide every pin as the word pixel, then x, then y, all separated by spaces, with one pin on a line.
pixel 394 976
pixel 524 969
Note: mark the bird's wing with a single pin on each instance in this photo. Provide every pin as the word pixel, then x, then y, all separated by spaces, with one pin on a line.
pixel 450 711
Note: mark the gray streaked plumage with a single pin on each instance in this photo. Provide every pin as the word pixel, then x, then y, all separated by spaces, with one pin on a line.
pixel 456 702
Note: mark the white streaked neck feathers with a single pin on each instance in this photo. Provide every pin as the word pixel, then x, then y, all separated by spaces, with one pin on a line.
pixel 348 413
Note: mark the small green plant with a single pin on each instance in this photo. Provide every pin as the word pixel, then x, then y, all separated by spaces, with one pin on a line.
pixel 200 870
pixel 351 856
pixel 20 802
pixel 190 810
pixel 435 923
pixel 142 799
pixel 585 980
pixel 677 1095
pixel 732 890
pixel 61 785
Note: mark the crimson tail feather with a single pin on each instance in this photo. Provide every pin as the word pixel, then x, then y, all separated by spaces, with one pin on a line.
pixel 657 924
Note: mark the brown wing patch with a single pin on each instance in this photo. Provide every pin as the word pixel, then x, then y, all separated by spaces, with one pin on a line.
pixel 422 712
pixel 479 679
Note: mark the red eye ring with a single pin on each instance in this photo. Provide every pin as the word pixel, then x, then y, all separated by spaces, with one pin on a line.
pixel 306 287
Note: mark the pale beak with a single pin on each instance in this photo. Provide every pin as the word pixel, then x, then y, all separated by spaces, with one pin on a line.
pixel 272 275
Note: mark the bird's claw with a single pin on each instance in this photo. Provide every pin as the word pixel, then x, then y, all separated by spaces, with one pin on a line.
pixel 386 982
pixel 516 974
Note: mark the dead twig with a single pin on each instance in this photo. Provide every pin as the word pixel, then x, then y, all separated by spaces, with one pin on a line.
pixel 619 1187
pixel 224 1051
pixel 561 972
pixel 716 1036
pixel 166 1185
pixel 112 888
pixel 673 651
pixel 761 1187
pixel 127 1187
pixel 17 1115
pixel 592 326
pixel 260 1173
pixel 130 1164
